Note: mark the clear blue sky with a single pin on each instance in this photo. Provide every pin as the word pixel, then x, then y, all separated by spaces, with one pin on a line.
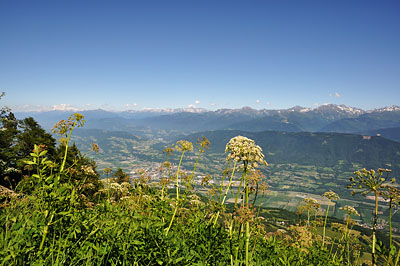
pixel 209 54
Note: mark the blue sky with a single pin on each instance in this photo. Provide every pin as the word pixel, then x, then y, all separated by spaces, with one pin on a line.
pixel 120 55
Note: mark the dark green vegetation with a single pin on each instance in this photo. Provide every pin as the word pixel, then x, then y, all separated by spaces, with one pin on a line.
pixel 318 149
pixel 392 133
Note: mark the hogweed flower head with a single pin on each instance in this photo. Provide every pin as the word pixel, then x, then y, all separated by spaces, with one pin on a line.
pixel 244 149
pixel 184 145
pixel 254 177
pixel 392 193
pixel 245 214
pixel 331 195
pixel 350 210
pixel 203 144
pixel 311 203
pixel 64 126
pixel 169 150
pixel 366 181
pixel 88 170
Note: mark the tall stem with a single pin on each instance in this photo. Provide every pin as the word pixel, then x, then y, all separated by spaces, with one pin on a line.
pixel 177 195
pixel 66 148
pixel 326 218
pixel 177 176
pixel 226 191
pixel 374 228
pixel 247 242
pixel 194 168
pixel 223 179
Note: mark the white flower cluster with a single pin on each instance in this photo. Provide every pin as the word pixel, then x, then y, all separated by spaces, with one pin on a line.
pixel 122 189
pixel 88 170
pixel 243 149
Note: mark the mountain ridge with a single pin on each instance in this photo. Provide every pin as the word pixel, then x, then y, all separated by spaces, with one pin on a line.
pixel 325 118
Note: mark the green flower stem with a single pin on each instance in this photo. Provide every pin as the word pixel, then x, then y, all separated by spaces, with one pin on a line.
pixel 169 168
pixel 397 258
pixel 347 236
pixel 261 202
pixel 194 169
pixel 222 181
pixel 172 219
pixel 226 191
pixel 66 147
pixel 236 199
pixel 240 186
pixel 326 218
pixel 247 242
pixel 45 232
pixel 177 176
pixel 255 196
pixel 247 225
pixel 177 195
pixel 374 229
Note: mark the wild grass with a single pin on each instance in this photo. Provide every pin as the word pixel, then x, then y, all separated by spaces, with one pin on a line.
pixel 69 221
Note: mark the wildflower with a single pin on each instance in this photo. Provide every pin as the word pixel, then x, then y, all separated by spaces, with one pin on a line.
pixel 263 187
pixel 254 177
pixel 184 145
pixel 64 126
pixel 88 170
pixel 169 150
pixel 205 181
pixel 203 144
pixel 350 210
pixel 244 214
pixel 243 149
pixel 95 147
pixel 331 195
pixel 311 202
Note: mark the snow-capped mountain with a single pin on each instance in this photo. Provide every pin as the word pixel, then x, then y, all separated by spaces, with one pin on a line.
pixel 393 108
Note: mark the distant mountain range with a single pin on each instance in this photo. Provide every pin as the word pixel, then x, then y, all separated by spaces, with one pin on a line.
pixel 326 118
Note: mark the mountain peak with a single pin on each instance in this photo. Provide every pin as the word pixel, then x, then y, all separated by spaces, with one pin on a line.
pixel 340 109
pixel 388 109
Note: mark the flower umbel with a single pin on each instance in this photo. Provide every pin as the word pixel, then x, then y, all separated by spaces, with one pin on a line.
pixel 350 210
pixel 243 149
pixel 330 195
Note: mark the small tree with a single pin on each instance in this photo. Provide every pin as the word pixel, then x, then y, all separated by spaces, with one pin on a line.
pixel 121 176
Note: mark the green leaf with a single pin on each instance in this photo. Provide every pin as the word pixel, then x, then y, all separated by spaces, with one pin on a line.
pixel 43 153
